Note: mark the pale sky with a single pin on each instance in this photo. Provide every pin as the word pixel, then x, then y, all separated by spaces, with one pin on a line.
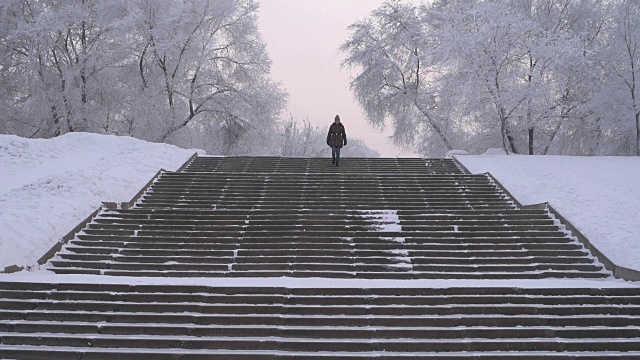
pixel 303 38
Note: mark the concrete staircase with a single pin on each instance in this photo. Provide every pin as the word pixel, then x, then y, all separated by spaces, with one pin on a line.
pixel 273 258
pixel 375 218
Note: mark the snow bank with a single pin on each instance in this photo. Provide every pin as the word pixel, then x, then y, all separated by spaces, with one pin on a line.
pixel 599 195
pixel 49 186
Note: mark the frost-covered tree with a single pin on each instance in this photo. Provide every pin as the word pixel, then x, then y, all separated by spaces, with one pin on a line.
pixel 165 71
pixel 491 57
pixel 621 62
pixel 571 126
pixel 302 139
pixel 388 50
pixel 202 61
pixel 57 61
pixel 530 76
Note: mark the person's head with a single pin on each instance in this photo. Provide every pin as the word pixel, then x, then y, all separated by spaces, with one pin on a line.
pixel 337 119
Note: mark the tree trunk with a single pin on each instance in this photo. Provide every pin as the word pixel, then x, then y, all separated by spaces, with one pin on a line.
pixel 506 135
pixel 553 135
pixel 638 134
pixel 530 141
pixel 512 143
pixel 503 133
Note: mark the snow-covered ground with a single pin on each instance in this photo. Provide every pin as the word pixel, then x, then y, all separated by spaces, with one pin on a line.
pixel 47 187
pixel 600 196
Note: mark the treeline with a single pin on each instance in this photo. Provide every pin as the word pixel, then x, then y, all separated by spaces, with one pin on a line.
pixel 528 76
pixel 192 73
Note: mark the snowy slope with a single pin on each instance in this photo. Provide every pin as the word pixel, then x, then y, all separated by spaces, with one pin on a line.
pixel 47 187
pixel 599 195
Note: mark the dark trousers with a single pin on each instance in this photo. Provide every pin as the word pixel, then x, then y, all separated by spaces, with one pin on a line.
pixel 335 154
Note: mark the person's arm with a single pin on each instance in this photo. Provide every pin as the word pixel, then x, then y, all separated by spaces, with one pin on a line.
pixel 344 136
pixel 329 135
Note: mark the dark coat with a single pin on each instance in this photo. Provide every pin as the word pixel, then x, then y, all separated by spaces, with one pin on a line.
pixel 336 136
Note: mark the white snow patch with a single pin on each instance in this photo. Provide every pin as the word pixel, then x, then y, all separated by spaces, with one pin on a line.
pixel 383 220
pixel 398 252
pixel 451 153
pixel 599 195
pixel 47 187
pixel 391 227
pixel 47 277
pixel 401 265
pixel 495 151
pixel 393 239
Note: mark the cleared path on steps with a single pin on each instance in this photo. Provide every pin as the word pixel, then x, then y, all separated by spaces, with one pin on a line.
pixel 371 218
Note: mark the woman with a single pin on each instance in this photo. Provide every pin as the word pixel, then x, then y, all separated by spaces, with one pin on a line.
pixel 336 138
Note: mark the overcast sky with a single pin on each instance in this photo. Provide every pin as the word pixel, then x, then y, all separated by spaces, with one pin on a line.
pixel 303 38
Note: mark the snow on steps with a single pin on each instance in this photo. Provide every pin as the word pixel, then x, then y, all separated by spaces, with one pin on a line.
pixel 76 320
pixel 344 243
